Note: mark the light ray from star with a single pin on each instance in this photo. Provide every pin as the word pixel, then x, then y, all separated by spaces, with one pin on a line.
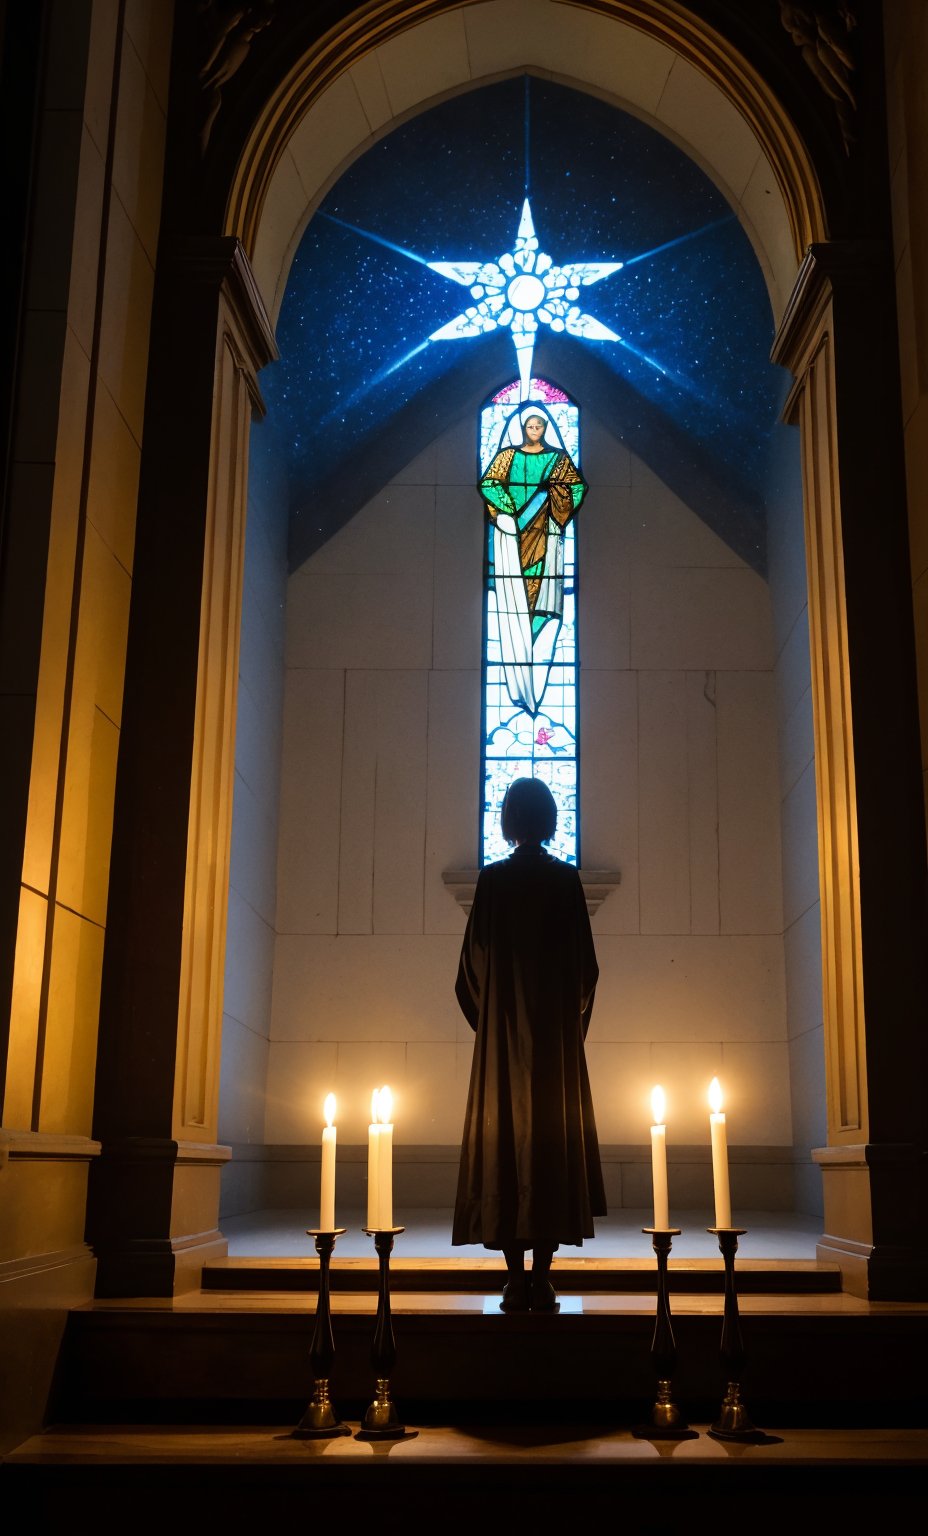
pixel 519 291
pixel 389 245
pixel 668 245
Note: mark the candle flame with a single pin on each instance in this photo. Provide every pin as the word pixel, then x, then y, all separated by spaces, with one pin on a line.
pixel 715 1096
pixel 385 1105
pixel 328 1109
pixel 658 1105
pixel 375 1107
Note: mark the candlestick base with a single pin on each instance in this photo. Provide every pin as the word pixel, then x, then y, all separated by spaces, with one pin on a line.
pixel 666 1422
pixel 381 1421
pixel 734 1422
pixel 320 1421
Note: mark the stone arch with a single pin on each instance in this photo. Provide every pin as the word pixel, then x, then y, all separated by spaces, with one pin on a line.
pixel 836 334
pixel 674 72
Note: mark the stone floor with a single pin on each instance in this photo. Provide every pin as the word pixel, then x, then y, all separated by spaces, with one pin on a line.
pixel 505 1444
pixel 282 1234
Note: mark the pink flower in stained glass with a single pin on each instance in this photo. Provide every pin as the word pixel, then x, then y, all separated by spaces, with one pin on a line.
pixel 543 736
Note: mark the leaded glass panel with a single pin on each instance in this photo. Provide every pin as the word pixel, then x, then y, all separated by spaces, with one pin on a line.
pixel 530 668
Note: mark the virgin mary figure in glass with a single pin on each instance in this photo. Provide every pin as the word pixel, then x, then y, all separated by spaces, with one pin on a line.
pixel 531 489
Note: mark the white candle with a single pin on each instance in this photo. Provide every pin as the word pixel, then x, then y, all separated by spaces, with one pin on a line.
pixel 385 1159
pixel 327 1188
pixel 719 1156
pixel 659 1160
pixel 373 1165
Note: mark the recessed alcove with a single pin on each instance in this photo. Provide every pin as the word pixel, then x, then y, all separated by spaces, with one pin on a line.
pixel 357 781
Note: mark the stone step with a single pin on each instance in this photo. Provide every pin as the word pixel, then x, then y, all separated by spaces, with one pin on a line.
pixel 245 1357
pixel 788 1277
pixel 231 1477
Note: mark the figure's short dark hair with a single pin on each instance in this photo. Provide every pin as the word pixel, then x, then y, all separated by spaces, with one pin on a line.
pixel 529 812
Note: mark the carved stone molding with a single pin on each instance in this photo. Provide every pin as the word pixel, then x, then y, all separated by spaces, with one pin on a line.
pixel 227 29
pixel 597 885
pixel 222 262
pixel 821 31
pixel 37 1264
pixel 35 1146
pixel 163 1149
pixel 835 265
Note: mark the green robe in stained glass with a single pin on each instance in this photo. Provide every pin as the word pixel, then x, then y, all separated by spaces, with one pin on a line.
pixel 530 499
pixel 540 492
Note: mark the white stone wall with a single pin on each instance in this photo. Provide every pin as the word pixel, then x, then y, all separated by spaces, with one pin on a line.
pixel 253 875
pixel 801 904
pixel 379 787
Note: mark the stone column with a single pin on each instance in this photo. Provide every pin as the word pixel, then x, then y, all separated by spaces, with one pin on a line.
pixel 154 1197
pixel 838 340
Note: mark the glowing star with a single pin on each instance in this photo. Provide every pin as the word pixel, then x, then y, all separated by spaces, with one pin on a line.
pixel 522 290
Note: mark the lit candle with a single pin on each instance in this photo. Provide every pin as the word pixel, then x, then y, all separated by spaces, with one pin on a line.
pixel 719 1156
pixel 385 1159
pixel 659 1160
pixel 373 1165
pixel 327 1190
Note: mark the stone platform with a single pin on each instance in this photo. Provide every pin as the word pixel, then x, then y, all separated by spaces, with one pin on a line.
pixel 243 1356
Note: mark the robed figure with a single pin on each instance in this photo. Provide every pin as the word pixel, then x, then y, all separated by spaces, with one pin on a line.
pixel 530 1174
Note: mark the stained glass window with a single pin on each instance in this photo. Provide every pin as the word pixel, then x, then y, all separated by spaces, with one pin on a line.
pixel 531 487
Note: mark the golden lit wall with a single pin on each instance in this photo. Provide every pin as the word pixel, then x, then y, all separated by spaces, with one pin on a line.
pixel 85 351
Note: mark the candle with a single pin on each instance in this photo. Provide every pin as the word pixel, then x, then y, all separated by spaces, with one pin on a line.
pixel 719 1156
pixel 373 1165
pixel 659 1160
pixel 385 1159
pixel 327 1189
pixel 380 1161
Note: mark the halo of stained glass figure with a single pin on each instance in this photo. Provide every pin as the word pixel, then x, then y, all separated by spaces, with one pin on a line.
pixel 532 488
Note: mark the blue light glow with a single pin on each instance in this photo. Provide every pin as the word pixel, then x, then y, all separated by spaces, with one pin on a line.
pixel 685 322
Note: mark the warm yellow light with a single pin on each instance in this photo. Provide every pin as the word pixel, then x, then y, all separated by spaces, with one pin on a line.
pixel 715 1096
pixel 658 1105
pixel 328 1109
pixel 375 1107
pixel 385 1105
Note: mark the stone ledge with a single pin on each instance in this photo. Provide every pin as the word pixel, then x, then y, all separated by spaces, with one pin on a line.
pixel 39 1145
pixel 162 1149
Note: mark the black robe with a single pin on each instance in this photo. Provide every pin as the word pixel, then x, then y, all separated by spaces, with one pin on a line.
pixel 530 1170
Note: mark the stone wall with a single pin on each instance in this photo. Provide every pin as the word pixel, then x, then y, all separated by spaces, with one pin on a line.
pixel 680 791
pixel 253 877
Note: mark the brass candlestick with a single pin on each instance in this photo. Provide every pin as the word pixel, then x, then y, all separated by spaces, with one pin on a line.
pixel 666 1421
pixel 320 1421
pixel 381 1421
pixel 733 1422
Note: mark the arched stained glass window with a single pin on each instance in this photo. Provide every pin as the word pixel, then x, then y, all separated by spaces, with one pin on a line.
pixel 532 489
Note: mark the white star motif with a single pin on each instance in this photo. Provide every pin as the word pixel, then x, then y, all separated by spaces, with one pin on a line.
pixel 522 289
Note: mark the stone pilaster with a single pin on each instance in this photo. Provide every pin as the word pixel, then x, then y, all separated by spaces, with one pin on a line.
pixel 838 341
pixel 154 1196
